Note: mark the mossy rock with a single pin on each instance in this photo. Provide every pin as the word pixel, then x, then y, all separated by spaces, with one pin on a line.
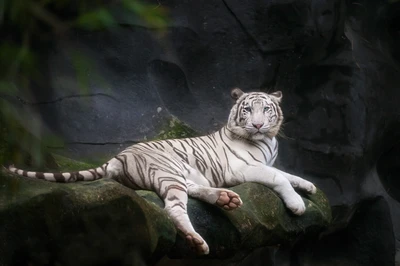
pixel 103 222
pixel 70 165
pixel 261 221
pixel 175 129
pixel 86 223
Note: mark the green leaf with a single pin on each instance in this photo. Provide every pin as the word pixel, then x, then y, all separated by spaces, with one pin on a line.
pixel 154 16
pixel 94 20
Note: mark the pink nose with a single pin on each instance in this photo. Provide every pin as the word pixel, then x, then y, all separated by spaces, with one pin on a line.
pixel 258 126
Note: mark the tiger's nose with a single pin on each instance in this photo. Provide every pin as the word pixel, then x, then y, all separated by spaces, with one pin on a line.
pixel 258 126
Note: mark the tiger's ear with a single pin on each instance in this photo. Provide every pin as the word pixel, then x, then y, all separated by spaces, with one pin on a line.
pixel 236 93
pixel 277 95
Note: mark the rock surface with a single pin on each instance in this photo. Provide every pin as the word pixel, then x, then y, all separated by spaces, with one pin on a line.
pixel 105 223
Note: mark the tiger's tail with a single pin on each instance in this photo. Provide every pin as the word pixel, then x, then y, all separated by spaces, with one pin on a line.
pixel 65 177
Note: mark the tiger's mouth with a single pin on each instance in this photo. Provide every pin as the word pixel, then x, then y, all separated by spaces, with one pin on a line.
pixel 258 135
pixel 259 131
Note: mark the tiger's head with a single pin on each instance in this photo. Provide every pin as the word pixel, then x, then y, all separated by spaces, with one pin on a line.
pixel 255 115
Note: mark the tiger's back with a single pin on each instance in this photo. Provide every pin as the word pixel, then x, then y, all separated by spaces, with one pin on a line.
pixel 218 157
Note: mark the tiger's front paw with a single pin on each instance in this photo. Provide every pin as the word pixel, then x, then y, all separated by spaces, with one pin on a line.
pixel 302 184
pixel 296 204
pixel 197 244
pixel 311 188
pixel 307 186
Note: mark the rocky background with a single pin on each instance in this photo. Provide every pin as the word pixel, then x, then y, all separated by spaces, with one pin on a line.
pixel 335 61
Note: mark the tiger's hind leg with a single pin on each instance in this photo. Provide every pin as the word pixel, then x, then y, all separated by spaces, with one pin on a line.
pixel 159 172
pixel 224 198
pixel 176 207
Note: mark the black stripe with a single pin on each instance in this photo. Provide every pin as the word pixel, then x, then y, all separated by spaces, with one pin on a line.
pixel 165 164
pixel 232 151
pixel 80 177
pixel 206 143
pixel 146 144
pixel 212 168
pixel 268 147
pixel 180 204
pixel 139 168
pixel 105 168
pixel 254 158
pixel 239 108
pixel 169 143
pixel 163 179
pixel 274 157
pixel 160 143
pixel 151 173
pixel 215 153
pixel 172 187
pixel 213 142
pixel 39 175
pixel 156 145
pixel 72 177
pixel 182 155
pixel 124 170
pixel 97 173
pixel 183 146
pixel 59 177
pixel 93 173
pixel 258 146
pixel 227 161
pixel 172 197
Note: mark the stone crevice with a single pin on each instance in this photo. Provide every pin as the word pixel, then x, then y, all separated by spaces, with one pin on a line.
pixel 131 142
pixel 66 97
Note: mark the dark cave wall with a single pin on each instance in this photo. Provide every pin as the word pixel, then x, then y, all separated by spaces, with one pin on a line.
pixel 337 63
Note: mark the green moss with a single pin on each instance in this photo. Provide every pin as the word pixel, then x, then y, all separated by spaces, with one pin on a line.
pixel 67 164
pixel 176 129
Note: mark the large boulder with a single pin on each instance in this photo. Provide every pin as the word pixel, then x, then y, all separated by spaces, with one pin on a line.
pixel 97 223
pixel 105 223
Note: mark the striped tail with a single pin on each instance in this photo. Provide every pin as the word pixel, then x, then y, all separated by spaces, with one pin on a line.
pixel 84 175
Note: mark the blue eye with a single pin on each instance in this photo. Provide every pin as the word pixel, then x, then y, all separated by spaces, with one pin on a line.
pixel 248 109
pixel 266 108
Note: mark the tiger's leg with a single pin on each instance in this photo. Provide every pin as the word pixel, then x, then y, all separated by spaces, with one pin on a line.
pixel 273 179
pixel 159 172
pixel 223 198
pixel 298 182
pixel 176 207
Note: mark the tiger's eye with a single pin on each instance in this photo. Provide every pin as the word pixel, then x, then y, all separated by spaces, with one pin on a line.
pixel 247 109
pixel 266 108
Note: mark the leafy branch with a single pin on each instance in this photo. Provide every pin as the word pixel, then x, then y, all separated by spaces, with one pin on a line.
pixel 28 27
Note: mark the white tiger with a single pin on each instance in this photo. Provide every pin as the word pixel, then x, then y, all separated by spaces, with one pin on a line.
pixel 242 151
